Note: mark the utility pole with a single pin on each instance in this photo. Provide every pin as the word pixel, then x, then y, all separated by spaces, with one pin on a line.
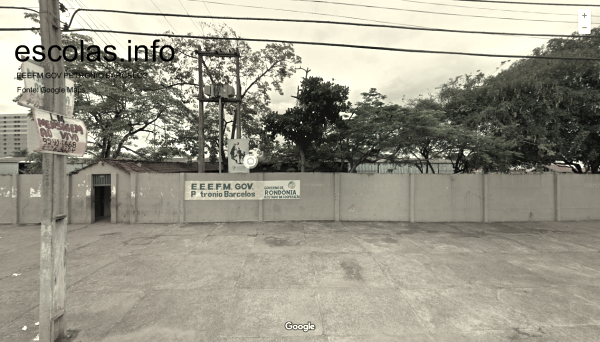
pixel 53 269
pixel 220 132
pixel 200 116
pixel 239 97
pixel 221 100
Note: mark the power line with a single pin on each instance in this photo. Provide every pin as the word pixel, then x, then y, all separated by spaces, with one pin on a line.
pixel 88 25
pixel 164 16
pixel 313 43
pixel 21 8
pixel 17 29
pixel 188 13
pixel 483 8
pixel 338 23
pixel 102 24
pixel 91 20
pixel 338 45
pixel 428 12
pixel 303 12
pixel 207 10
pixel 530 3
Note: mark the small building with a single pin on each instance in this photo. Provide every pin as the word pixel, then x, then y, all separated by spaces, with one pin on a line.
pixel 560 168
pixel 12 165
pixel 18 165
pixel 111 179
pixel 440 166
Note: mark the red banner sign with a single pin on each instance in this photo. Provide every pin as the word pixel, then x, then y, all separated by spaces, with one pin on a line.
pixel 59 134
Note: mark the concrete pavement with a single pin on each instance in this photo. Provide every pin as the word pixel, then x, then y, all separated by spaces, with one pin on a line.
pixel 354 281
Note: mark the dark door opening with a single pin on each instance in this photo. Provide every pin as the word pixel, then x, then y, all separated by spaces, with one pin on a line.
pixel 102 201
pixel 101 196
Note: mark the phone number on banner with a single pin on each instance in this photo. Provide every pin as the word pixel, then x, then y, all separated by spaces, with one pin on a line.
pixel 58 145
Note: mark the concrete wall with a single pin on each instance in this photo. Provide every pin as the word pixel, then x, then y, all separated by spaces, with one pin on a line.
pixel 8 197
pixel 29 198
pixel 315 203
pixel 378 197
pixel 448 198
pixel 528 197
pixel 80 199
pixel 158 198
pixel 579 197
pixel 9 168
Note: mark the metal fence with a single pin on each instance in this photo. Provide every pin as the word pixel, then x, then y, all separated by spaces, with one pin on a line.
pixel 441 168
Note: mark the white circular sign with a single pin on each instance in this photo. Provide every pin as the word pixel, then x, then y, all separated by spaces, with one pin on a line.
pixel 250 162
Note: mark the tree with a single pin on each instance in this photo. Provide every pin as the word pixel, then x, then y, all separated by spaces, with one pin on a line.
pixel 548 108
pixel 320 105
pixel 479 142
pixel 34 165
pixel 366 132
pixel 117 110
pixel 416 133
pixel 421 134
pixel 20 153
pixel 261 71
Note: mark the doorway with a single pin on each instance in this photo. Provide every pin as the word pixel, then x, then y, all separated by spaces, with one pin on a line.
pixel 102 202
pixel 101 196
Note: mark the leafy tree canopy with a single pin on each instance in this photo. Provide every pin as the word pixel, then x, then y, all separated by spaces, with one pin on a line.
pixel 261 72
pixel 319 106
pixel 550 109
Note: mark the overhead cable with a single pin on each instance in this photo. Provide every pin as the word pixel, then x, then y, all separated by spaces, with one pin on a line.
pixel 88 25
pixel 174 30
pixel 16 29
pixel 402 9
pixel 334 23
pixel 92 21
pixel 303 12
pixel 103 24
pixel 530 3
pixel 188 13
pixel 21 8
pixel 483 8
pixel 381 48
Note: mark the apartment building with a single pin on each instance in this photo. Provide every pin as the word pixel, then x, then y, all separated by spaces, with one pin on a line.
pixel 13 133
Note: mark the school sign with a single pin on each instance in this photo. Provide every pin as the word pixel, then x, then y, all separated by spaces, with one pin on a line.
pixel 241 190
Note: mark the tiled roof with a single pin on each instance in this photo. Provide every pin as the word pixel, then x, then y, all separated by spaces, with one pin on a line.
pixel 138 166
pixel 558 168
pixel 21 160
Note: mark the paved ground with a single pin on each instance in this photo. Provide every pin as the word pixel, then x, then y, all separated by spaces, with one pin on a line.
pixel 355 281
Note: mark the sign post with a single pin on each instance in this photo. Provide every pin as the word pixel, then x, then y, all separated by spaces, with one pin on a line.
pixel 238 150
pixel 53 261
pixel 220 133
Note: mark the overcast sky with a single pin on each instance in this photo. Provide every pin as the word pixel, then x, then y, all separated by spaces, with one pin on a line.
pixel 395 74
